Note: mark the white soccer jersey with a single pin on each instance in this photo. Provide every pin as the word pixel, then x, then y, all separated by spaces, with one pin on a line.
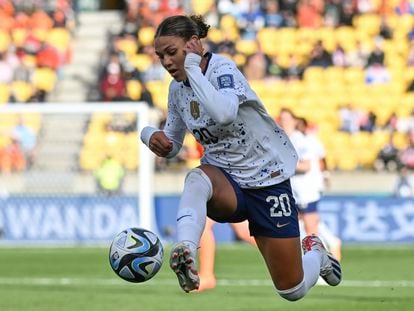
pixel 253 149
pixel 306 186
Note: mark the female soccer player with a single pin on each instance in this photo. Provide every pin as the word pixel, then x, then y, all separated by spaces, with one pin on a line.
pixel 245 170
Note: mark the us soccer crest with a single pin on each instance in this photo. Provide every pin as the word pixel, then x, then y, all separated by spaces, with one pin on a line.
pixel 195 109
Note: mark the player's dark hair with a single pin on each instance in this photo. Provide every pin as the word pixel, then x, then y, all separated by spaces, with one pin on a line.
pixel 183 26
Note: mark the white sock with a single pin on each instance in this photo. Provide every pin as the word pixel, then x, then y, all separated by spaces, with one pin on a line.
pixel 311 267
pixel 192 210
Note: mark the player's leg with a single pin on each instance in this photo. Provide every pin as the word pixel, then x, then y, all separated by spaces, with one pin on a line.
pixel 292 275
pixel 241 229
pixel 310 217
pixel 207 257
pixel 273 220
pixel 332 241
pixel 205 188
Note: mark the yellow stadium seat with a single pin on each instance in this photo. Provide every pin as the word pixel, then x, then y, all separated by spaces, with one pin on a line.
pixel 215 35
pixel 228 21
pixel 146 35
pixel 134 89
pixel 22 91
pixel 19 36
pixel 4 40
pixel 4 93
pixel 247 47
pixel 347 161
pixel 354 75
pixel 141 61
pixel 59 38
pixel 44 79
pixel 267 38
pixel 345 35
pixel 201 7
pixel 334 75
pixel 90 160
pixel 33 121
pixel 314 74
pixel 128 46
pixel 369 23
pixel 400 140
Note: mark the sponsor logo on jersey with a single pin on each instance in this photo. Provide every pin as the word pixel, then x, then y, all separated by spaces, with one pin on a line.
pixel 195 109
pixel 226 81
pixel 279 225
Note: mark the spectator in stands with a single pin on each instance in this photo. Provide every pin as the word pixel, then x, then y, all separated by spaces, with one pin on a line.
pixel 155 72
pixel 309 13
pixel 368 122
pixel 109 176
pixel 410 56
pixel 377 56
pixel 294 70
pixel 385 32
pixel 410 87
pixel 332 13
pixel 391 124
pixel 347 14
pixel 256 66
pixel 113 86
pixel 275 70
pixel 359 56
pixel 339 58
pixel 349 117
pixel 319 56
pixel 387 157
pixel 406 156
pixel 251 20
pixel 27 140
pixel 406 124
pixel 24 71
pixel 6 69
pixel 405 7
pixel 365 6
pixel 273 17
pixel 12 158
pixel 377 73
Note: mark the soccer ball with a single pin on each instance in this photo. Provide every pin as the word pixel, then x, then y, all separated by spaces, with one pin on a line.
pixel 136 255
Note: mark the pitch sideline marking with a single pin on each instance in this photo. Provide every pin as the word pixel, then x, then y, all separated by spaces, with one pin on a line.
pixel 222 282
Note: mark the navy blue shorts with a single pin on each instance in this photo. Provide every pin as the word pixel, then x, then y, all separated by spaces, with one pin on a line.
pixel 271 211
pixel 311 207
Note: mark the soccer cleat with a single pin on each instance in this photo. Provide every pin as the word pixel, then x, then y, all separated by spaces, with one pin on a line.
pixel 182 262
pixel 330 267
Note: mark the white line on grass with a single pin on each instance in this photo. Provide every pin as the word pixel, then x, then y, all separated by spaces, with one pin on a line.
pixel 170 282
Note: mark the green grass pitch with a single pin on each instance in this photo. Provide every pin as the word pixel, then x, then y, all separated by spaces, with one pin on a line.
pixel 80 278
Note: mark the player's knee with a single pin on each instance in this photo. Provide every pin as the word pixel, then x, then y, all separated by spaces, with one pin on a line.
pixel 294 293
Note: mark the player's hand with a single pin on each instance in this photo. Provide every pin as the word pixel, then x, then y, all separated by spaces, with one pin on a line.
pixel 160 144
pixel 194 45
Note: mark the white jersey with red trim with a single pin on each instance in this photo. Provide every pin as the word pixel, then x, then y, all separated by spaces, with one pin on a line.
pixel 253 149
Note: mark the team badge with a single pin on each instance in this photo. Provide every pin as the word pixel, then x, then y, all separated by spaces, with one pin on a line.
pixel 226 81
pixel 195 109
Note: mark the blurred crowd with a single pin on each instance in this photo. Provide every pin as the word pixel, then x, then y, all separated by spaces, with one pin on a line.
pixel 296 44
pixel 34 45
pixel 347 66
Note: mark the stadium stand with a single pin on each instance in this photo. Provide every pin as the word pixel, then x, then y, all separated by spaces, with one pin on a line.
pixel 35 43
pixel 314 57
